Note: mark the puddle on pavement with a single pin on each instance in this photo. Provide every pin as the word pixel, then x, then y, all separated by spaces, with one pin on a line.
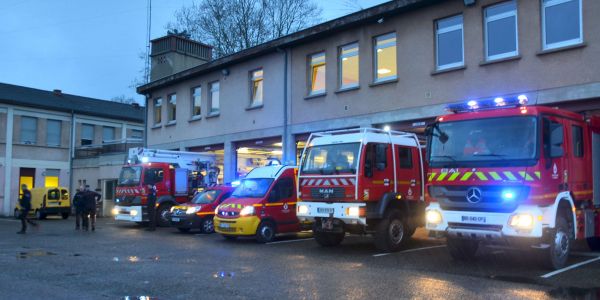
pixel 136 259
pixel 28 254
pixel 139 298
pixel 223 274
pixel 575 293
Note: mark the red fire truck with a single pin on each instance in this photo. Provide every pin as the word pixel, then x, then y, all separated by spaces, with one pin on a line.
pixel 503 173
pixel 363 181
pixel 176 175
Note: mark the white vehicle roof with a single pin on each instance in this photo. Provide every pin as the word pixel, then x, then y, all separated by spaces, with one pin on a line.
pixel 268 171
pixel 365 137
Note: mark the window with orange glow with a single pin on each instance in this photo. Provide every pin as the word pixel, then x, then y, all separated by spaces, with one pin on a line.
pixel 349 66
pixel 317 73
pixel 385 57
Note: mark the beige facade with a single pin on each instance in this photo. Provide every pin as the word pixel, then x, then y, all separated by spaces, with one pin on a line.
pixel 565 76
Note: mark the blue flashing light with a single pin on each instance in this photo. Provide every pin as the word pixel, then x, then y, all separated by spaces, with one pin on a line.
pixel 235 183
pixel 508 195
pixel 486 104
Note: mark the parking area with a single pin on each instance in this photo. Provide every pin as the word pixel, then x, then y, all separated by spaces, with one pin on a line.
pixel 120 260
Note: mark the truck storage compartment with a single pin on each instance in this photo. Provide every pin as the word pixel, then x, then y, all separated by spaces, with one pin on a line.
pixel 596 166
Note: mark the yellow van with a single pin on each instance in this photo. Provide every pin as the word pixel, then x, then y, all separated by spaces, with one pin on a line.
pixel 49 201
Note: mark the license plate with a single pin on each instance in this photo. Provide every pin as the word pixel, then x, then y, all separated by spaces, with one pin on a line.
pixel 325 210
pixel 473 219
pixel 224 225
pixel 175 219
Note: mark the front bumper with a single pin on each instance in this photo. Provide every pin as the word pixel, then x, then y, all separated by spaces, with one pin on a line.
pixel 237 226
pixel 330 210
pixel 56 210
pixel 185 221
pixel 487 225
pixel 129 213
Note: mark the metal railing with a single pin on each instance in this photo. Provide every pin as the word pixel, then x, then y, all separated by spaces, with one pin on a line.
pixel 108 147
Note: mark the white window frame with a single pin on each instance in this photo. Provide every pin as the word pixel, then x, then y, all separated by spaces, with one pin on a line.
pixel 383 46
pixel 437 46
pixel 341 57
pixel 255 78
pixel 193 100
pixel 211 90
pixel 546 4
pixel 497 17
pixel 311 69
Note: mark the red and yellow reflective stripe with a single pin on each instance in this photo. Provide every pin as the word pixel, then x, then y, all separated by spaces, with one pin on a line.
pixel 485 176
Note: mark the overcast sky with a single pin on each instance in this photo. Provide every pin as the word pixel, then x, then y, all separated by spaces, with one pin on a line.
pixel 91 48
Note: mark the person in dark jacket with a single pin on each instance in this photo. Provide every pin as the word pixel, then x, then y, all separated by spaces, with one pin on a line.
pixel 151 207
pixel 78 203
pixel 90 200
pixel 25 204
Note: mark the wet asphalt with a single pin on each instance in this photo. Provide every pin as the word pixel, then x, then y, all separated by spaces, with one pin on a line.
pixel 122 260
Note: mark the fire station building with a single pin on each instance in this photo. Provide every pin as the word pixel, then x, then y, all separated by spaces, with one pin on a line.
pixel 397 64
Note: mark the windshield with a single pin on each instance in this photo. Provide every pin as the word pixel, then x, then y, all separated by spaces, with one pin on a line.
pixel 484 140
pixel 252 188
pixel 130 176
pixel 206 197
pixel 330 159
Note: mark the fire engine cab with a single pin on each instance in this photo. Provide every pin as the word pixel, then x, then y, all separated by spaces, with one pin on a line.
pixel 363 181
pixel 175 174
pixel 503 173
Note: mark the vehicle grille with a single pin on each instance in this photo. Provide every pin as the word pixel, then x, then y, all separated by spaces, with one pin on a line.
pixel 179 212
pixel 327 193
pixel 230 229
pixel 475 226
pixel 455 198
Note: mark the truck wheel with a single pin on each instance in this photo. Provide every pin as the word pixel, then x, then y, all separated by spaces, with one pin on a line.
pixel 328 239
pixel 462 249
pixel 162 215
pixel 390 233
pixel 265 232
pixel 65 216
pixel 555 257
pixel 207 225
pixel 183 230
pixel 39 215
pixel 594 243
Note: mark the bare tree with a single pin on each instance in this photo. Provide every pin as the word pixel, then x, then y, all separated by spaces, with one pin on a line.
pixel 233 25
pixel 124 99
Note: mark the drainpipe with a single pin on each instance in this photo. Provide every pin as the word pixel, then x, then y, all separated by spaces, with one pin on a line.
pixel 285 140
pixel 71 151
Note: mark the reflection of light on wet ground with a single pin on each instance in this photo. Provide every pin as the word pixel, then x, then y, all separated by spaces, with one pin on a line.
pixel 133 259
pixel 138 298
pixel 526 294
pixel 223 274
pixel 38 253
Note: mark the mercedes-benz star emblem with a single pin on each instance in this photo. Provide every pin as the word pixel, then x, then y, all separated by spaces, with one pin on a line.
pixel 474 195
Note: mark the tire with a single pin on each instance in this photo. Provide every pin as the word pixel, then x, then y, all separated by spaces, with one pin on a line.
pixel 556 256
pixel 390 233
pixel 230 237
pixel 594 243
pixel 162 215
pixel 183 230
pixel 328 239
pixel 39 215
pixel 461 249
pixel 265 232
pixel 207 225
pixel 65 216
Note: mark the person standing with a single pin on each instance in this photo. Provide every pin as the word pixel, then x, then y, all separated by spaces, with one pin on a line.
pixel 25 203
pixel 91 199
pixel 78 203
pixel 151 207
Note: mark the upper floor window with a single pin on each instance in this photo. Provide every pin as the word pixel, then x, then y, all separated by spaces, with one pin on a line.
pixel 137 134
pixel 449 42
pixel 501 30
pixel 53 132
pixel 172 107
pixel 561 23
pixel 108 134
pixel 157 111
pixel 28 130
pixel 87 134
pixel 385 57
pixel 348 63
pixel 214 98
pixel 256 81
pixel 196 101
pixel 317 73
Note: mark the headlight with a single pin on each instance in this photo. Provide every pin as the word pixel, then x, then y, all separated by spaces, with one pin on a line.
pixel 433 217
pixel 353 211
pixel 303 209
pixel 115 211
pixel 192 210
pixel 521 221
pixel 217 210
pixel 247 211
pixel 172 209
pixel 133 213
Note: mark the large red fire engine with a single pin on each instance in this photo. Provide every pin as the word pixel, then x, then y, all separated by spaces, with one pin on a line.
pixel 362 181
pixel 505 173
pixel 177 176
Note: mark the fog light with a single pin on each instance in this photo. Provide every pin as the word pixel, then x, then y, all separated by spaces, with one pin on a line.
pixel 353 211
pixel 133 213
pixel 303 209
pixel 433 217
pixel 521 221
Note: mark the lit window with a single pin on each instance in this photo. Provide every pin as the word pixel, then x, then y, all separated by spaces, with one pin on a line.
pixel 349 66
pixel 501 30
pixel 317 73
pixel 172 107
pixel 196 101
pixel 157 111
pixel 385 57
pixel 256 80
pixel 28 130
pixel 87 134
pixel 449 42
pixel 214 98
pixel 108 134
pixel 53 132
pixel 561 23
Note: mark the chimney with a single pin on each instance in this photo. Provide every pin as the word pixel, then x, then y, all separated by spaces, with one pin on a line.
pixel 174 53
pixel 57 92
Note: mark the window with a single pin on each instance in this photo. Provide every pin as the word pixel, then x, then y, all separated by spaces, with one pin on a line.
pixel 137 134
pixel 317 73
pixel 53 130
pixel 561 23
pixel 348 66
pixel 405 157
pixel 51 178
pixel 577 141
pixel 214 98
pixel 449 42
pixel 87 134
pixel 108 134
pixel 385 57
pixel 28 130
pixel 196 101
pixel 501 30
pixel 172 108
pixel 157 111
pixel 256 81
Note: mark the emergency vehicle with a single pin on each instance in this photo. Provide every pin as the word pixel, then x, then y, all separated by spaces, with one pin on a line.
pixel 263 205
pixel 504 173
pixel 176 175
pixel 362 181
pixel 199 212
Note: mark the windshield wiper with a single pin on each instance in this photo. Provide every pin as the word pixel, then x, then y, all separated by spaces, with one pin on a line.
pixel 450 157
